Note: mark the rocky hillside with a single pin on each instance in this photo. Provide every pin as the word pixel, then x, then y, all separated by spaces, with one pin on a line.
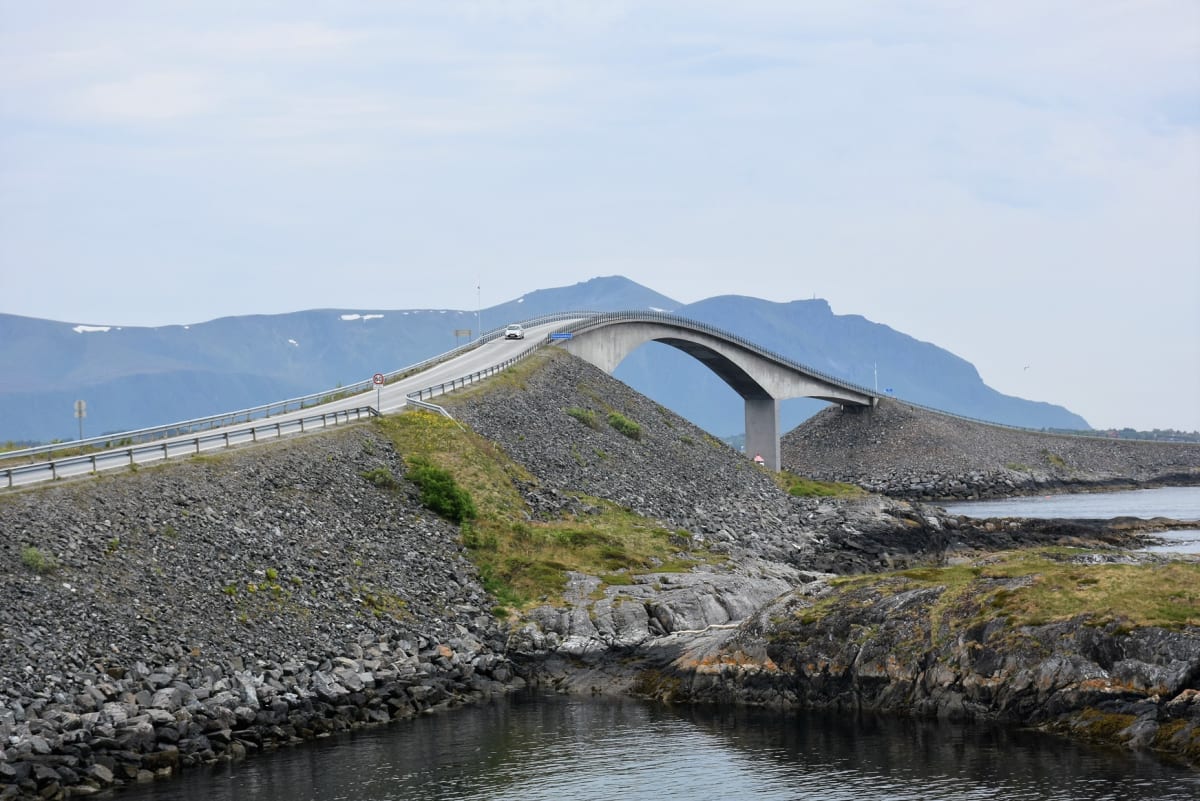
pixel 902 451
pixel 202 609
pixel 557 422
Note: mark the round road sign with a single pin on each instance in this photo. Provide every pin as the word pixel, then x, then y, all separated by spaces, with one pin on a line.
pixel 377 378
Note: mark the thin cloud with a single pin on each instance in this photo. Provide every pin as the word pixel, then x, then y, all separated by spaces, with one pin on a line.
pixel 151 97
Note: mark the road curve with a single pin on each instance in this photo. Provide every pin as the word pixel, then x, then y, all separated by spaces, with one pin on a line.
pixel 386 399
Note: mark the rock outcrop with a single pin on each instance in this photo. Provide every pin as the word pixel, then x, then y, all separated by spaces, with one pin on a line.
pixel 926 649
pixel 693 637
pixel 906 452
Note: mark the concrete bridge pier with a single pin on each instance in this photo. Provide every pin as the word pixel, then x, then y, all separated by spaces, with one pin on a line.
pixel 762 430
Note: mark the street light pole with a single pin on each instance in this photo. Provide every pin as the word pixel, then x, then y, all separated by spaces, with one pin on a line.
pixel 478 294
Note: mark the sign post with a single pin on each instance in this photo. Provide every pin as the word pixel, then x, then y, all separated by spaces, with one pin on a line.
pixel 378 380
pixel 80 413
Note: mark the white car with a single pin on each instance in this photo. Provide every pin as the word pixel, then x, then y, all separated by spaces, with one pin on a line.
pixel 514 331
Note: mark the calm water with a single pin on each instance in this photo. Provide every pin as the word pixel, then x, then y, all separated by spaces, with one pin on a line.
pixel 1180 503
pixel 550 748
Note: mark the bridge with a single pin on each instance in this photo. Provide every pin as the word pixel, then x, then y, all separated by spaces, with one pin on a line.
pixel 762 378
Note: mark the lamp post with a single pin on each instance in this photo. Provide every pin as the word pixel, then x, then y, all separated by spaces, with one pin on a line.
pixel 478 294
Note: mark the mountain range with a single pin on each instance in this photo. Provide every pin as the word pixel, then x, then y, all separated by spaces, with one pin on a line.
pixel 135 377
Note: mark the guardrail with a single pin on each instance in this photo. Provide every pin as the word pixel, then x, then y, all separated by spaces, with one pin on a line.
pixel 587 320
pixel 420 395
pixel 185 427
pixel 168 449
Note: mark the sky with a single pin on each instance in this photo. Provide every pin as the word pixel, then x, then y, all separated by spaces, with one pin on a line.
pixel 1016 182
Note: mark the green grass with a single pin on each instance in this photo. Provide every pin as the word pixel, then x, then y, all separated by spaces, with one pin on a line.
pixel 37 561
pixel 585 416
pixel 624 425
pixel 802 487
pixel 1054 459
pixel 1037 586
pixel 520 561
pixel 440 492
pixel 380 477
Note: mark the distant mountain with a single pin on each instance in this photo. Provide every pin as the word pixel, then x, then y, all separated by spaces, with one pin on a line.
pixel 135 377
pixel 847 346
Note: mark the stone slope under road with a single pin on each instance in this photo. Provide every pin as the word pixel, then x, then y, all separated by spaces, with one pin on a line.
pixel 906 452
pixel 203 608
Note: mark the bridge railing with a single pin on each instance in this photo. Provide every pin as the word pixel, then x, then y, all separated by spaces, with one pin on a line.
pixel 129 441
pixel 606 318
pixel 462 381
pixel 185 427
pixel 458 383
pixel 174 448
pixel 135 442
pixel 1040 431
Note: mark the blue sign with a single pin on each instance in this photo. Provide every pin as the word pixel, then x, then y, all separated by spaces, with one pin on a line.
pixel 562 335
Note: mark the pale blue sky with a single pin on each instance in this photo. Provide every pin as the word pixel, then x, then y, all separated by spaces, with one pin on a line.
pixel 1017 182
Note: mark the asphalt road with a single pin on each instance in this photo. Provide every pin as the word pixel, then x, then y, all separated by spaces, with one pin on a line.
pixel 387 399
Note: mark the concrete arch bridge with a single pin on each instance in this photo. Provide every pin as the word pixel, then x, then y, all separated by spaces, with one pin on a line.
pixel 761 377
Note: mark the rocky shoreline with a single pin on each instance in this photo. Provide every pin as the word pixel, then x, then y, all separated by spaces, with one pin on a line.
pixel 710 636
pixel 882 648
pixel 906 452
pixel 205 610
pixel 211 608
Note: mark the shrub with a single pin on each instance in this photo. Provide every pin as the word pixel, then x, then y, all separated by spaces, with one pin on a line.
pixel 585 416
pixel 380 477
pixel 624 425
pixel 440 493
pixel 1054 459
pixel 37 561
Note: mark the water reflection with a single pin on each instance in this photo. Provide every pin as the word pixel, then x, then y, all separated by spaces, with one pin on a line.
pixel 1179 503
pixel 564 749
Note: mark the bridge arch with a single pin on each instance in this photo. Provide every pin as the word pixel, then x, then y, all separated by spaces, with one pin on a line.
pixel 760 377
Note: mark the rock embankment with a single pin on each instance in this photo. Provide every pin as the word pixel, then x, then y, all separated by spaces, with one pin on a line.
pixel 905 452
pixel 556 424
pixel 664 630
pixel 202 610
pixel 919 648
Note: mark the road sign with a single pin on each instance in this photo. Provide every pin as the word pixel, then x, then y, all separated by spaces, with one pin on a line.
pixel 561 335
pixel 378 378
